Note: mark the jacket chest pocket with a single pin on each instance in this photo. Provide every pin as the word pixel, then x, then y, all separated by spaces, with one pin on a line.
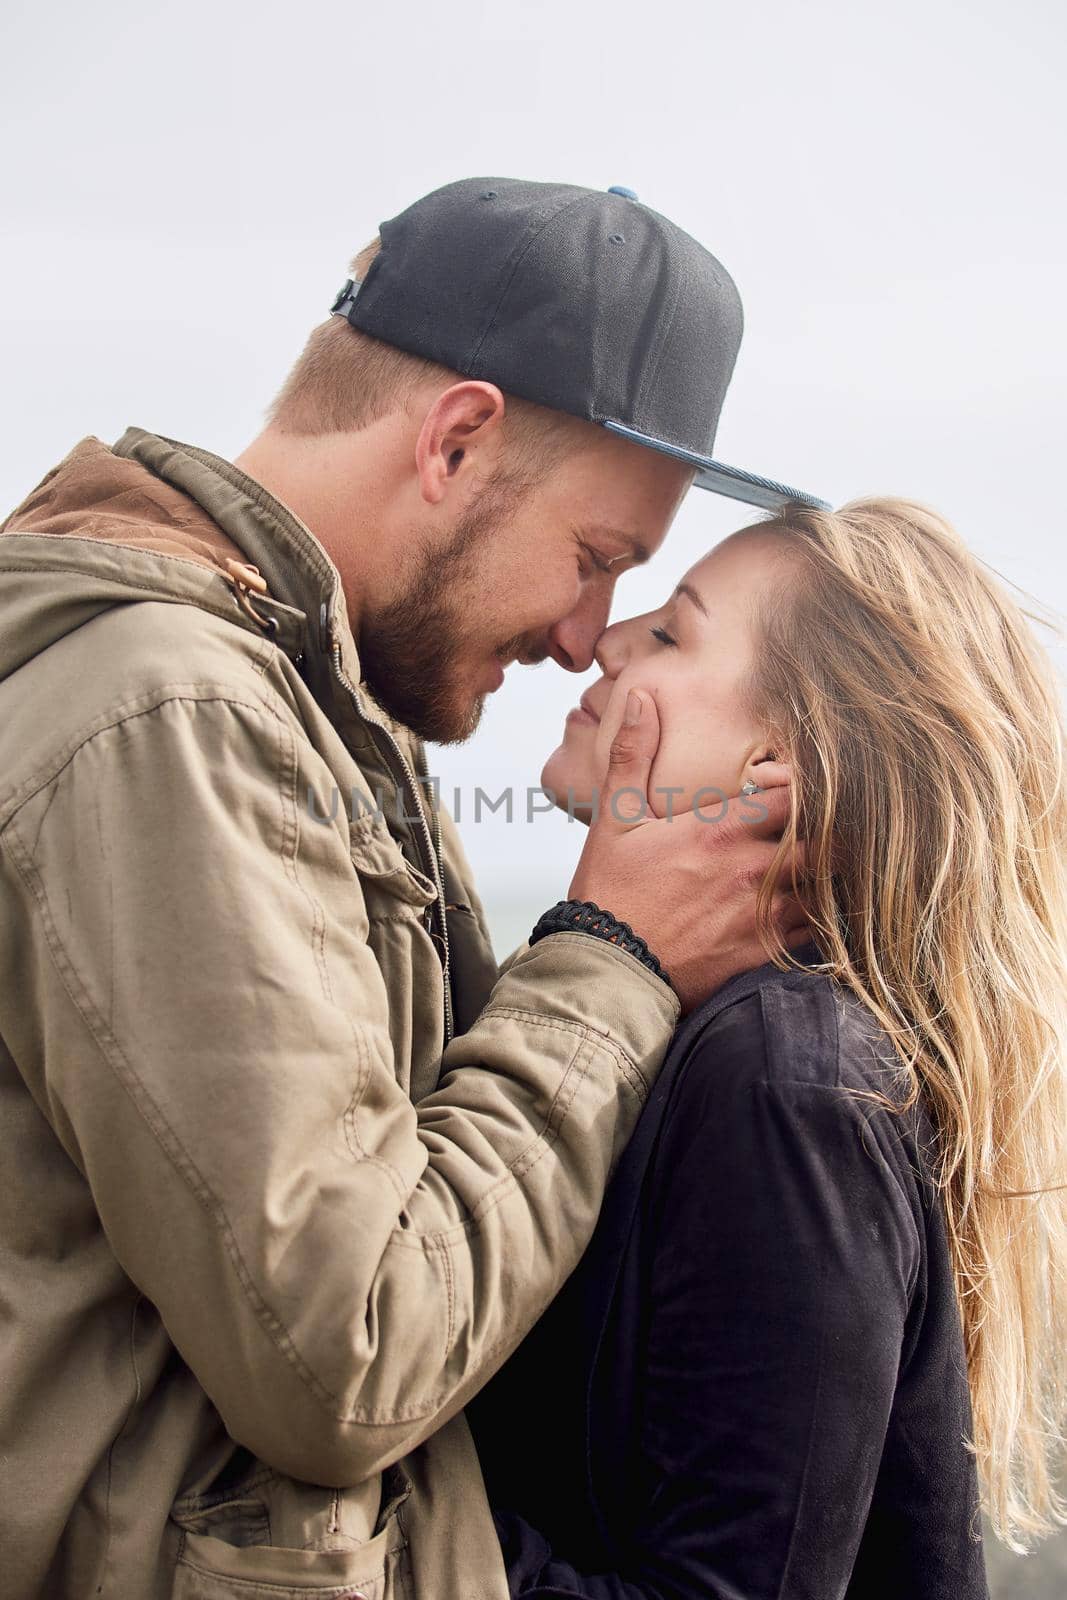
pixel 391 885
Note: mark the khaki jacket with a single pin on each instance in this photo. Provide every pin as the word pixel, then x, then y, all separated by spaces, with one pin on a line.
pixel 289 1169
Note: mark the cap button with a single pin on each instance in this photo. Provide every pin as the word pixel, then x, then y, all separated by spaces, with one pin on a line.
pixel 627 194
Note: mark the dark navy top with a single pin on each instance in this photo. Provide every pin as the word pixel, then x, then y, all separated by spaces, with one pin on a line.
pixel 754 1386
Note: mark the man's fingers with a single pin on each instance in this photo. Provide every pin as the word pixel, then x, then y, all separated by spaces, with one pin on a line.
pixel 795 866
pixel 762 815
pixel 625 799
pixel 766 812
pixel 790 918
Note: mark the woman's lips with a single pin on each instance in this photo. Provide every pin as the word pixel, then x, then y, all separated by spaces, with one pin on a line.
pixel 583 712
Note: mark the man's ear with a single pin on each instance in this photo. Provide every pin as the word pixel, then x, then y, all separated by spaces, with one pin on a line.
pixel 463 428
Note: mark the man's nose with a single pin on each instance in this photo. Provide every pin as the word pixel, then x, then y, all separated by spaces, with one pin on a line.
pixel 573 641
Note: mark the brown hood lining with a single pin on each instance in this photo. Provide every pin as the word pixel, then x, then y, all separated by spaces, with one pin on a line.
pixel 95 494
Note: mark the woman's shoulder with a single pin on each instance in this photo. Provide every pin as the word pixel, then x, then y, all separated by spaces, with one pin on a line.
pixel 782 1091
pixel 798 1026
pixel 797 1051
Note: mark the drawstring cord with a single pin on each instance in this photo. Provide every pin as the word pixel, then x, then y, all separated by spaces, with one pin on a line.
pixel 247 580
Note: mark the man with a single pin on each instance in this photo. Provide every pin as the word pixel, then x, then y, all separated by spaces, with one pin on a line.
pixel 290 1169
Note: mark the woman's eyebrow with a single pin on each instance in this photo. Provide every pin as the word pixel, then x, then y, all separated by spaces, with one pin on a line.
pixel 691 594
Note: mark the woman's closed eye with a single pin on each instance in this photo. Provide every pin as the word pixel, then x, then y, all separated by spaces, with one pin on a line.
pixel 663 636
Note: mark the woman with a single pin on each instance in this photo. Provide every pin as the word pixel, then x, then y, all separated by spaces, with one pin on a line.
pixel 828 1292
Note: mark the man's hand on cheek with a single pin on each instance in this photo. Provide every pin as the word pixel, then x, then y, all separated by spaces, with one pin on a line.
pixel 686 885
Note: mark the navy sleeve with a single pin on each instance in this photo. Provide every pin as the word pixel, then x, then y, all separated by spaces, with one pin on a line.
pixel 785 1252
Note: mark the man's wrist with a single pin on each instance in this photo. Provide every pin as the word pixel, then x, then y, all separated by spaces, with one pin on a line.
pixel 583 916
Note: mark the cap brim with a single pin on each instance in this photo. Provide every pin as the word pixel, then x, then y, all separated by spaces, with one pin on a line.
pixel 720 479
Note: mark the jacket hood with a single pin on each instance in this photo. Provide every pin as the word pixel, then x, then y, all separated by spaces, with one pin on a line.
pixel 103 529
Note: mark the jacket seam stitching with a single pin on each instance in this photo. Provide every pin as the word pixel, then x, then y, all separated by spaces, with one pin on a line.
pixel 574 1074
pixel 614 953
pixel 146 593
pixel 523 1163
pixel 130 711
pixel 133 548
pixel 601 1041
pixel 284 1590
pixel 450 1290
pixel 356 1148
pixel 127 711
pixel 410 917
pixel 288 766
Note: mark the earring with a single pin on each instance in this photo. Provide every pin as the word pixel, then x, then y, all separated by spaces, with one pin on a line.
pixel 750 788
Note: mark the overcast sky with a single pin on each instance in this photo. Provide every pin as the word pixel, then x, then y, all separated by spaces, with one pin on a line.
pixel 181 190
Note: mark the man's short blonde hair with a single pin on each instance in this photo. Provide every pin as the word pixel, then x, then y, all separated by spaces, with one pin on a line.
pixel 345 380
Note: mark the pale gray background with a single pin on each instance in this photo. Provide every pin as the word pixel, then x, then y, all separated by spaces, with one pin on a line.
pixel 181 189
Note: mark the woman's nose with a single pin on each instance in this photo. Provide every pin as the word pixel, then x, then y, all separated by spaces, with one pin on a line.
pixel 613 649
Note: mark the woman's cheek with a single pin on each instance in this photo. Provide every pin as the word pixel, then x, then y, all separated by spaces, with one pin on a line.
pixel 574 766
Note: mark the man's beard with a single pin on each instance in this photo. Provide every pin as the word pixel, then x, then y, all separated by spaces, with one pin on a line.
pixel 409 651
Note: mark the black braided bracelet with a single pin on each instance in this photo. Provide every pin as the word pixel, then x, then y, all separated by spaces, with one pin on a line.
pixel 582 916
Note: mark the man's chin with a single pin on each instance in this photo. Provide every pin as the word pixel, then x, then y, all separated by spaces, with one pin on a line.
pixel 450 724
pixel 461 727
pixel 433 719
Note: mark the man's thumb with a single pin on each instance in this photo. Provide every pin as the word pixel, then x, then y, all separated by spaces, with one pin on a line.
pixel 626 798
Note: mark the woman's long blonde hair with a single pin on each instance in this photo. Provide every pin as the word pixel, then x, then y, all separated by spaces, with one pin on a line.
pixel 923 721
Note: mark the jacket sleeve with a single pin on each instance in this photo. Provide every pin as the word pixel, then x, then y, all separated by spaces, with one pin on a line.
pixel 785 1253
pixel 201 1018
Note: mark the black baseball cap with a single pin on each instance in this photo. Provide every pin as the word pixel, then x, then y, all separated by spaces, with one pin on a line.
pixel 584 301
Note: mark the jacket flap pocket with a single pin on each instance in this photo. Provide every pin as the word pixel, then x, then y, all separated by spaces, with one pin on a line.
pixel 211 1569
pixel 376 854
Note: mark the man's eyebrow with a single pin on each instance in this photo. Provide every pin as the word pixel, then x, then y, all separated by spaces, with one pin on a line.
pixel 691 594
pixel 638 553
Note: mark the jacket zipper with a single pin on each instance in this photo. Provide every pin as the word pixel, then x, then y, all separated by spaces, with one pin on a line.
pixel 431 841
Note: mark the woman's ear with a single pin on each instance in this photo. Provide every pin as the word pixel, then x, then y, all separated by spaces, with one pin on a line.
pixel 767 773
pixel 765 769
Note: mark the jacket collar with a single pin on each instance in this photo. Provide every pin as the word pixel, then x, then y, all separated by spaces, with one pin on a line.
pixel 298 572
pixel 302 581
